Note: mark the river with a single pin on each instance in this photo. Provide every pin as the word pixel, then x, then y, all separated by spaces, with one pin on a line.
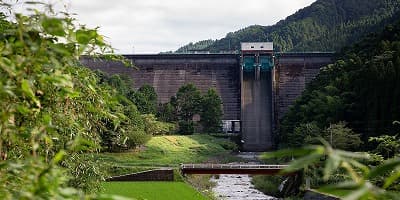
pixel 238 186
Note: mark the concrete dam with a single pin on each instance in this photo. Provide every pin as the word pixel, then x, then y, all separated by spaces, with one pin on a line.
pixel 256 86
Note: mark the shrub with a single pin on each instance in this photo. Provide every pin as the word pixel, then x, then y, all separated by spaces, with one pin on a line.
pixel 186 127
pixel 267 184
pixel 154 127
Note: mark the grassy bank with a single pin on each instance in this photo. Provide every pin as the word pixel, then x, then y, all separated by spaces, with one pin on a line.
pixel 152 190
pixel 173 150
pixel 163 151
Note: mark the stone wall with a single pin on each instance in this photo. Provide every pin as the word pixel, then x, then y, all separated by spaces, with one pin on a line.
pixel 151 175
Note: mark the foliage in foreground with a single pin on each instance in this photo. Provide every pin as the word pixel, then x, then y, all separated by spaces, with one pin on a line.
pixel 359 181
pixel 52 109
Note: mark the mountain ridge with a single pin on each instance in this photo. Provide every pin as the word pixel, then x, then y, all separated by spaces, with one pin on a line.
pixel 325 25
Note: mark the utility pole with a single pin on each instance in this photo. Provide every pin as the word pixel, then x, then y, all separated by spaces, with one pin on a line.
pixel 330 131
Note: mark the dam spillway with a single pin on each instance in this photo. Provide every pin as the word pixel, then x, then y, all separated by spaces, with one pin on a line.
pixel 257 111
pixel 257 63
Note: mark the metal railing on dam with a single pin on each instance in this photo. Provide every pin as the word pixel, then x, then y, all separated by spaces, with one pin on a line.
pixel 231 169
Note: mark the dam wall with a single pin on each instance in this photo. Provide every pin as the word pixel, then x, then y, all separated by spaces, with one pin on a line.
pixel 167 73
pixel 258 103
pixel 291 74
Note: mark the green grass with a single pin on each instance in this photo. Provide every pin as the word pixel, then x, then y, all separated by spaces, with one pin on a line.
pixel 152 190
pixel 173 150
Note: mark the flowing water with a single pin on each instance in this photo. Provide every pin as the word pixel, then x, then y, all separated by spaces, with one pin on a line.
pixel 238 186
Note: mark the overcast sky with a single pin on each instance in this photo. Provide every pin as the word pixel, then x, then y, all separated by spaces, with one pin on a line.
pixel 152 26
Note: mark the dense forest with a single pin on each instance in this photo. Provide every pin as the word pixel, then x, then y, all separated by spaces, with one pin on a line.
pixel 362 88
pixel 326 25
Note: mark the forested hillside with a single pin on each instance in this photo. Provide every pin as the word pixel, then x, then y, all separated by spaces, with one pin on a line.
pixel 326 25
pixel 362 88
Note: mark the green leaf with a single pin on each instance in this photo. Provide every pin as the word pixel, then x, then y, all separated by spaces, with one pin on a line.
pixel 68 192
pixel 59 157
pixel 364 190
pixel 391 179
pixel 53 26
pixel 302 162
pixel 339 190
pixel 27 90
pixel 357 164
pixel 8 66
pixel 386 167
pixel 84 36
pixel 357 155
pixel 23 109
pixel 292 152
pixel 332 163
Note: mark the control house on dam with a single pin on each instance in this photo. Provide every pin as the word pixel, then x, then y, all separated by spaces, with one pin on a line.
pixel 256 86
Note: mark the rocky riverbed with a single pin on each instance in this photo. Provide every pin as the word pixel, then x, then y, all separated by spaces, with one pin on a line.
pixel 236 187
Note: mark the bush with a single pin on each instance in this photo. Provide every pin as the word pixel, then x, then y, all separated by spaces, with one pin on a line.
pixel 186 127
pixel 228 145
pixel 154 127
pixel 137 138
pixel 267 184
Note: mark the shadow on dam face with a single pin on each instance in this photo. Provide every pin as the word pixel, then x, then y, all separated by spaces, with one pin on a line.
pixel 257 111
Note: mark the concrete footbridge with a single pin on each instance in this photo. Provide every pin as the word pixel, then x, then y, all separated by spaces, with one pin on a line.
pixel 232 169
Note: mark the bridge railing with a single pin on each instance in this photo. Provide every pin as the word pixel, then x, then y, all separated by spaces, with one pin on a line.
pixel 230 166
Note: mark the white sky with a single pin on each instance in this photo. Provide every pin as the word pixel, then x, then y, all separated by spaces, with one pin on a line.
pixel 152 26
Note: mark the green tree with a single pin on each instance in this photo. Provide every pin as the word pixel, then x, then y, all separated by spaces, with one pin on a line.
pixel 187 104
pixel 388 146
pixel 362 88
pixel 188 101
pixel 211 113
pixel 341 137
pixel 304 133
pixel 146 99
pixel 166 112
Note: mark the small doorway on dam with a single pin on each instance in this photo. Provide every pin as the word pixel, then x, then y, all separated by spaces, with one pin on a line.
pixel 256 95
